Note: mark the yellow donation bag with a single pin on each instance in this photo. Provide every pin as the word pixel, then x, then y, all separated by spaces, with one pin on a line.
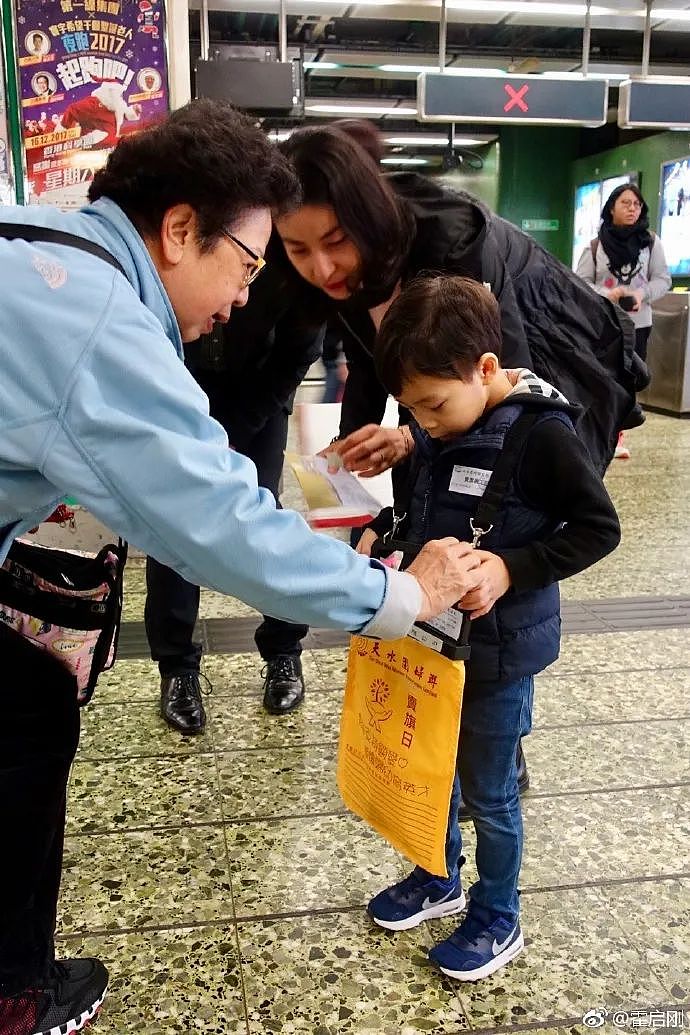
pixel 398 743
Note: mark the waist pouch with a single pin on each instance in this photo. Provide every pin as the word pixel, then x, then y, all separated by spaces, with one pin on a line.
pixel 66 603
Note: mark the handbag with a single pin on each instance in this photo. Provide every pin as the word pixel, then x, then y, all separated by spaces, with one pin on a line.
pixel 65 602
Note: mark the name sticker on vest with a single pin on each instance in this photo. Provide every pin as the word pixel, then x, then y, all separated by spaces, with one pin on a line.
pixel 470 480
pixel 448 622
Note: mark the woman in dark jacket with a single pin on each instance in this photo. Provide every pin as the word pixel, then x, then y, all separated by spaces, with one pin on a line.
pixel 359 236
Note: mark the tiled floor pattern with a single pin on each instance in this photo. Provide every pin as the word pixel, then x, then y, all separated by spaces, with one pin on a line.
pixel 223 882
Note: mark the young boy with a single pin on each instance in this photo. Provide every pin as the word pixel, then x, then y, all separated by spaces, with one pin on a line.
pixel 438 353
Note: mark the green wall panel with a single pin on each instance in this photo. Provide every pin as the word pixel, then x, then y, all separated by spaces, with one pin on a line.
pixel 535 180
pixel 483 183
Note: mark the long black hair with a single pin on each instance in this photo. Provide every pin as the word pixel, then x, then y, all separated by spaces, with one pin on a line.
pixel 623 244
pixel 333 169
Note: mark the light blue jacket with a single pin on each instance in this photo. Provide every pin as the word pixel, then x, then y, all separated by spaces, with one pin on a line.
pixel 95 402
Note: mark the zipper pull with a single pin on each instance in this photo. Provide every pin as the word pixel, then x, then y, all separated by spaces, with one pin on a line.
pixel 397 520
pixel 477 533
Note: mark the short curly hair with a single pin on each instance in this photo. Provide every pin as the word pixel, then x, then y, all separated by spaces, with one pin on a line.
pixel 208 155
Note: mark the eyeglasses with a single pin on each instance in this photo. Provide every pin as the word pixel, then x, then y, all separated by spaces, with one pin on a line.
pixel 250 275
pixel 630 204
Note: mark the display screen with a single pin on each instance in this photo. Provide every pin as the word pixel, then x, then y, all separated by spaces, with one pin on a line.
pixel 616 181
pixel 674 215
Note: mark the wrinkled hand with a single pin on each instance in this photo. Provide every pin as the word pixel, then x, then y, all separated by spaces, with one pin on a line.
pixel 366 542
pixel 492 581
pixel 446 571
pixel 371 450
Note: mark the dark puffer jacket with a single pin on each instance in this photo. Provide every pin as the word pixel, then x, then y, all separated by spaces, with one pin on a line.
pixel 552 321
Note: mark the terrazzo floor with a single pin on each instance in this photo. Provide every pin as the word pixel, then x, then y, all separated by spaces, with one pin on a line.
pixel 223 882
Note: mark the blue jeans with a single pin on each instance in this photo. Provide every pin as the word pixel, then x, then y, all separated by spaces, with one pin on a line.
pixel 493 721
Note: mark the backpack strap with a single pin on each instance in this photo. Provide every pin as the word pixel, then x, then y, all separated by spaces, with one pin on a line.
pixel 492 498
pixel 27 232
pixel 593 245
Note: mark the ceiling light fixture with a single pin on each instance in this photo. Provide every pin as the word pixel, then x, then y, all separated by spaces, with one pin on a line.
pixel 429 140
pixel 569 10
pixel 404 161
pixel 358 109
pixel 670 14
pixel 451 70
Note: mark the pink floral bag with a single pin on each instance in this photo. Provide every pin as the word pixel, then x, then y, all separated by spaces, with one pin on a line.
pixel 66 603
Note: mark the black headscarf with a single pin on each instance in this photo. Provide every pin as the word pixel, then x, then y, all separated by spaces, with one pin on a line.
pixel 623 244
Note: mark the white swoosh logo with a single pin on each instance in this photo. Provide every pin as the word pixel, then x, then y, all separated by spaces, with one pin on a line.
pixel 496 948
pixel 428 904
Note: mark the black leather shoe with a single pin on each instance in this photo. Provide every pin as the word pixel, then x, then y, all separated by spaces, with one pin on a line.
pixel 181 705
pixel 523 783
pixel 284 685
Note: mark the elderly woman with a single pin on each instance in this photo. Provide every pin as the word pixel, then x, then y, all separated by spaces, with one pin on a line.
pixel 95 400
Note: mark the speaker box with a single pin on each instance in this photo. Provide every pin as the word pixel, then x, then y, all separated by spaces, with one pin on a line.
pixel 259 87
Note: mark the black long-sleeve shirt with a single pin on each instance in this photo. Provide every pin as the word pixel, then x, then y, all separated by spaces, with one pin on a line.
pixel 556 475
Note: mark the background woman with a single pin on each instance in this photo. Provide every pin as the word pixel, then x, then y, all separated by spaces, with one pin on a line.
pixel 626 263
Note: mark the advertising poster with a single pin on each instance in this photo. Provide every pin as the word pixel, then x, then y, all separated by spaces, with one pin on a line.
pixel 6 190
pixel 91 71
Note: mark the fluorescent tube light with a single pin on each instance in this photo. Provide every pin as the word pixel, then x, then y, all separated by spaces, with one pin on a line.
pixel 358 109
pixel 429 140
pixel 404 161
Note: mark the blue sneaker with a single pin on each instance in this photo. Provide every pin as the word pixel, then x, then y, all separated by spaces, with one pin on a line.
pixel 415 899
pixel 474 951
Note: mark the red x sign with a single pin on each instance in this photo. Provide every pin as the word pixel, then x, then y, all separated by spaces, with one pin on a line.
pixel 516 98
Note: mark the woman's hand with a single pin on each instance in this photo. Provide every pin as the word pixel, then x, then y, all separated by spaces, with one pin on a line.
pixel 366 542
pixel 372 449
pixel 492 581
pixel 615 293
pixel 638 295
pixel 446 571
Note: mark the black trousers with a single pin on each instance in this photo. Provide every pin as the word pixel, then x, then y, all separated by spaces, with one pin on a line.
pixel 172 603
pixel 39 734
pixel 641 341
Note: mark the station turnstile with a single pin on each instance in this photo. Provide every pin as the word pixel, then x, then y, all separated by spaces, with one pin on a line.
pixel 668 357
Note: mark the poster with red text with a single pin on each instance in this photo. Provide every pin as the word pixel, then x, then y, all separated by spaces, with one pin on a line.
pixel 91 71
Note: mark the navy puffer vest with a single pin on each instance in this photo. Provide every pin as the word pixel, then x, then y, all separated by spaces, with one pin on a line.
pixel 521 634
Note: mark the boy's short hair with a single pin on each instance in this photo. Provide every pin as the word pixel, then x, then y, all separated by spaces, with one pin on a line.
pixel 439 326
pixel 208 155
